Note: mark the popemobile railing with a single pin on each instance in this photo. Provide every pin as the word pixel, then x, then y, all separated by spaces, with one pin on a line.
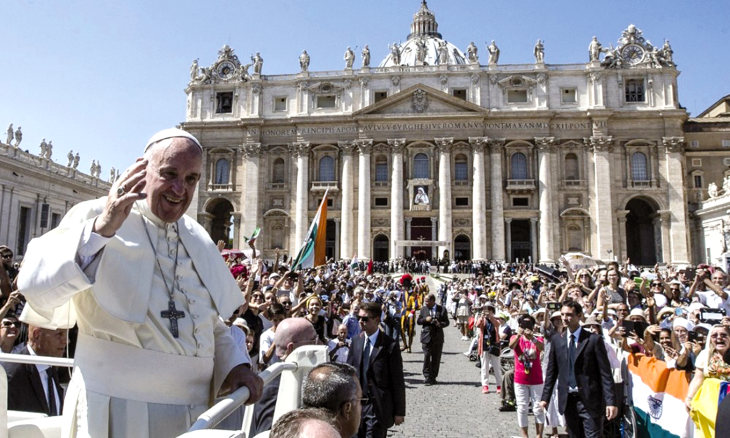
pixel 17 424
pixel 292 371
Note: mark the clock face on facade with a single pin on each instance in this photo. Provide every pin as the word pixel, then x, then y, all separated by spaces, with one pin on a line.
pixel 225 69
pixel 632 54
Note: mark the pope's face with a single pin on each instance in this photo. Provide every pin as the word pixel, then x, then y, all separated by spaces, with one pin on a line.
pixel 172 175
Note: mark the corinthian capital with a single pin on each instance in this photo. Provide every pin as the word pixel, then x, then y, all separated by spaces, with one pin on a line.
pixel 251 150
pixel 365 145
pixel 545 144
pixel 673 144
pixel 496 145
pixel 444 144
pixel 299 149
pixel 397 145
pixel 599 143
pixel 346 147
pixel 478 143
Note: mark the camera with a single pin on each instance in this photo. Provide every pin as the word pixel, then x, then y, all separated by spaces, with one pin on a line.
pixel 553 306
pixel 712 316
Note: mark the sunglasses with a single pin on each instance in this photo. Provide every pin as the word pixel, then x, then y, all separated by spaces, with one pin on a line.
pixel 11 323
pixel 656 284
pixel 363 318
pixel 257 296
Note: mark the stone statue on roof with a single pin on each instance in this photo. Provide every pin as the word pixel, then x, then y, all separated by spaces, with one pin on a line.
pixel 366 56
pixel 471 53
pixel 18 137
pixel 712 190
pixel 594 50
pixel 395 53
pixel 349 58
pixel 304 61
pixel 10 135
pixel 258 63
pixel 493 53
pixel 70 158
pixel 539 52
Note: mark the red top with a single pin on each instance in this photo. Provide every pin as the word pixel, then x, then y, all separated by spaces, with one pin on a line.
pixel 527 352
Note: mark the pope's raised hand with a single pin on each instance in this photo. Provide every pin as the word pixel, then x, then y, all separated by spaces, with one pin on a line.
pixel 125 190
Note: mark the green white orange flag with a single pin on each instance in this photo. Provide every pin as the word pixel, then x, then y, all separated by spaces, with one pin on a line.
pixel 312 252
pixel 254 235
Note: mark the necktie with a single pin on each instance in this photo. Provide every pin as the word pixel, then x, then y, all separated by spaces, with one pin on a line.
pixel 52 410
pixel 571 360
pixel 365 363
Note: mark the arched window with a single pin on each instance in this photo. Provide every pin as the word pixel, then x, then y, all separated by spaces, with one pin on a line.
pixel 571 167
pixel 327 169
pixel 381 168
pixel 278 171
pixel 639 170
pixel 518 166
pixel 461 171
pixel 222 171
pixel 421 166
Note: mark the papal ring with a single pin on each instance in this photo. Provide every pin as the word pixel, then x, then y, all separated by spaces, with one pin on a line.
pixel 121 190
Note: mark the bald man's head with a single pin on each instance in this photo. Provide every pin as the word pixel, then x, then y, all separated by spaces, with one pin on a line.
pixel 293 333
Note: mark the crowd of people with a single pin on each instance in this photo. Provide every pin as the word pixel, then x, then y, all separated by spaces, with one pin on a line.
pixel 542 318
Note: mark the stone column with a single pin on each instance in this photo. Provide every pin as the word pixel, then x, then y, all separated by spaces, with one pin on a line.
pixel 301 218
pixel 408 235
pixel 508 238
pixel 434 227
pixel 396 194
pixel 479 233
pixel 602 204
pixel 363 199
pixel 498 232
pixel 251 189
pixel 545 151
pixel 444 146
pixel 338 243
pixel 664 232
pixel 677 203
pixel 346 227
pixel 533 238
pixel 622 247
pixel 237 237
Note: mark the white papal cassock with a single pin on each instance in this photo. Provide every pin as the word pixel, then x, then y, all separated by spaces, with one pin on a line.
pixel 131 376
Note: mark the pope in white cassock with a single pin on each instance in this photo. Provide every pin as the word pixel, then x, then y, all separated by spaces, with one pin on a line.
pixel 147 288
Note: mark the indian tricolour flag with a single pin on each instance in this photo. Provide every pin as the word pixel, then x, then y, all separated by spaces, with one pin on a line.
pixel 658 395
pixel 312 252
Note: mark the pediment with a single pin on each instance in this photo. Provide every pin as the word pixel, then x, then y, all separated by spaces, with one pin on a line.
pixel 420 99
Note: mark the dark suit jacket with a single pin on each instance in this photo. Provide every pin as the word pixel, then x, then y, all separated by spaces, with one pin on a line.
pixel 263 410
pixel 386 385
pixel 592 372
pixel 429 331
pixel 25 390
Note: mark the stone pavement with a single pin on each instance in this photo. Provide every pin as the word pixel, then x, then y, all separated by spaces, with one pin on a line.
pixel 455 407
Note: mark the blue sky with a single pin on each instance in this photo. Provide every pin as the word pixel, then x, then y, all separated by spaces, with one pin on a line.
pixel 100 76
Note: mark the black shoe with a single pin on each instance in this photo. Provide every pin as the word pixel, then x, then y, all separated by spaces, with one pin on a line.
pixel 507 408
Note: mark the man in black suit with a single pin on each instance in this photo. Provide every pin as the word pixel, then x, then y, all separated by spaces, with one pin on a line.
pixel 35 388
pixel 433 318
pixel 578 361
pixel 380 369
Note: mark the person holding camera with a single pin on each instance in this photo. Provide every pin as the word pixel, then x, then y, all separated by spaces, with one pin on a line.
pixel 488 328
pixel 528 373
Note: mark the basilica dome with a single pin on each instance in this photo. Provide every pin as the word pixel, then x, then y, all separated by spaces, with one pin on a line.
pixel 424 46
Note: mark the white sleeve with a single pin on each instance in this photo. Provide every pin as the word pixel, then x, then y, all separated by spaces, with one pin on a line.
pixel 227 354
pixel 90 245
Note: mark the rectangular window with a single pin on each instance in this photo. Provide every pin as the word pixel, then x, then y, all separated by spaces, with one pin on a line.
pixel 23 230
pixel 379 95
pixel 381 202
pixel 694 144
pixel 517 96
pixel 224 102
pixel 520 202
pixel 568 95
pixel 326 101
pixel 459 93
pixel 634 90
pixel 45 211
pixel 726 143
pixel 461 202
pixel 698 181
pixel 280 104
pixel 55 219
pixel 696 162
pixel 381 172
pixel 329 202
pixel 461 171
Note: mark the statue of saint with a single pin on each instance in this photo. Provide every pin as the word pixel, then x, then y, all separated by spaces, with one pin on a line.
pixel 421 197
pixel 18 137
pixel 194 70
pixel 394 51
pixel 258 63
pixel 49 149
pixel 70 158
pixel 366 56
pixel 304 60
pixel 668 53
pixel 726 185
pixel 443 53
pixel 77 157
pixel 712 190
pixel 594 50
pixel 539 52
pixel 44 148
pixel 92 169
pixel 10 135
pixel 493 53
pixel 421 51
pixel 349 58
pixel 471 53
pixel 112 175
